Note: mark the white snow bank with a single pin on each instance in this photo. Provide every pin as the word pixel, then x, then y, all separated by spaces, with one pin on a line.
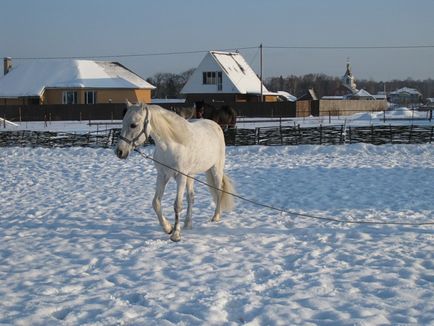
pixel 81 244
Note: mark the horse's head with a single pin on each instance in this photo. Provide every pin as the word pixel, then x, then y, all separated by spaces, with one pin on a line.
pixel 135 129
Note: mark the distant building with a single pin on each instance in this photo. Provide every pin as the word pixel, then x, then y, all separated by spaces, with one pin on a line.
pixel 348 80
pixel 225 77
pixel 349 91
pixel 405 96
pixel 67 81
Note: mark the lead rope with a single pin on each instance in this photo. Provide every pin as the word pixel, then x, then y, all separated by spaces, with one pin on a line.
pixel 322 218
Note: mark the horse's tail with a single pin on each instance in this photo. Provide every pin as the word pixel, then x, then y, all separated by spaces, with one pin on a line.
pixel 227 200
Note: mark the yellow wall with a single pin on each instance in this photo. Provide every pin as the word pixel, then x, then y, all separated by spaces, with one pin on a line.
pixel 11 101
pixel 55 95
pixel 349 107
pixel 270 98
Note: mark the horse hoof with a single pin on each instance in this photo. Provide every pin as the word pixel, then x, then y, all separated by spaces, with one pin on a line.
pixel 175 237
pixel 168 229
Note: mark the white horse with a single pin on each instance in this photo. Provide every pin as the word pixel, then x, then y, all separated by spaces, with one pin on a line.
pixel 187 147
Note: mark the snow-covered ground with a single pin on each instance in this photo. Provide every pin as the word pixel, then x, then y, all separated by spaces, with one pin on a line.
pixel 80 243
pixel 397 116
pixel 61 126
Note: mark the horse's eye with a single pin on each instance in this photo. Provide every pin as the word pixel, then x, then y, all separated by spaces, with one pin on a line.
pixel 133 125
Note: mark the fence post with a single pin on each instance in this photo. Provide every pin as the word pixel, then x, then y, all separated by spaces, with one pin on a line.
pixel 19 112
pixel 320 134
pixel 330 117
pixel 280 132
pixel 299 134
pixel 391 133
pixel 257 136
pixel 411 130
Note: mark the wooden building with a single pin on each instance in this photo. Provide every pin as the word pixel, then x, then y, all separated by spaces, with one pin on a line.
pixel 67 81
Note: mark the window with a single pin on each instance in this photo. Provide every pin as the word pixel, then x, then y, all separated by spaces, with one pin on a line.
pixel 219 81
pixel 90 97
pixel 211 77
pixel 69 97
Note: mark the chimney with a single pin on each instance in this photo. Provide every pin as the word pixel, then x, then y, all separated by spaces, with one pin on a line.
pixel 7 64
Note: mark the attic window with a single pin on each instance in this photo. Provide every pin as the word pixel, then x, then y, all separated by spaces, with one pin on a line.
pixel 209 77
pixel 212 78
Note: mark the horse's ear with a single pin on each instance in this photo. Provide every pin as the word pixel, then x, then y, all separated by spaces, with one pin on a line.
pixel 128 103
pixel 143 106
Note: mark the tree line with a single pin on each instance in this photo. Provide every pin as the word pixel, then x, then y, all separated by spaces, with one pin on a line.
pixel 328 85
pixel 169 85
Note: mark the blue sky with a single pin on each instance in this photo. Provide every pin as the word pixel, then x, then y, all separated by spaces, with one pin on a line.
pixel 52 28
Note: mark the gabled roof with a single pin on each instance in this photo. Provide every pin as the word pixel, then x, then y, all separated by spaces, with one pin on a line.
pixel 240 77
pixel 33 77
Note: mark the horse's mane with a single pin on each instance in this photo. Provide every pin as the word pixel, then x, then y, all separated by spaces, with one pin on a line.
pixel 168 125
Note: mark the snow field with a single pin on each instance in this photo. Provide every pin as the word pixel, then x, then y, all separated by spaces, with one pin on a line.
pixel 82 245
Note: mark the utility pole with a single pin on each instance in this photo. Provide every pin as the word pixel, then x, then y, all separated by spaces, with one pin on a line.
pixel 260 64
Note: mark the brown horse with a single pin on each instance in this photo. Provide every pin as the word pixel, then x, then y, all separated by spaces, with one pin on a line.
pixel 225 116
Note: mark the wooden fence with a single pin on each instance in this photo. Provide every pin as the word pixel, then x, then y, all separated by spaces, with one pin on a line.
pixel 27 138
pixel 329 135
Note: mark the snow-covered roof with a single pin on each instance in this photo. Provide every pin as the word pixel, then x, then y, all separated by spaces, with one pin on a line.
pixel 332 97
pixel 33 77
pixel 362 93
pixel 406 90
pixel 287 96
pixel 238 76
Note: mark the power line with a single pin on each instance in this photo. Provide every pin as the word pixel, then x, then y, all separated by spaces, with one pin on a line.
pixel 132 55
pixel 282 47
pixel 349 47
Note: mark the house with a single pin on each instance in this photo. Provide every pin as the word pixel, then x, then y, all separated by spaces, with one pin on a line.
pixel 225 77
pixel 405 96
pixel 68 81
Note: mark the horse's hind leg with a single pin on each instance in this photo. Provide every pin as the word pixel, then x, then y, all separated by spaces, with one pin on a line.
pixel 156 203
pixel 181 181
pixel 190 202
pixel 216 177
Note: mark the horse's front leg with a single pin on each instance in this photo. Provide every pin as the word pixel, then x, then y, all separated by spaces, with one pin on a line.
pixel 190 202
pixel 162 180
pixel 181 181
